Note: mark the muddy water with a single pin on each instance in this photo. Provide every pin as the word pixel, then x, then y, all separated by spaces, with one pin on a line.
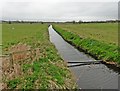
pixel 94 76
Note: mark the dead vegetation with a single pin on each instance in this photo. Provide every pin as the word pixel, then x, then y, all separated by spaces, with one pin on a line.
pixel 18 54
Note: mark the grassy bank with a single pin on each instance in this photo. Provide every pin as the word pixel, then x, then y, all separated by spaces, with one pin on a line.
pixel 106 51
pixel 45 70
pixel 103 32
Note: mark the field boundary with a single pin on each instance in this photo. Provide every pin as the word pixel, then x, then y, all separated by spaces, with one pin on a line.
pixel 87 48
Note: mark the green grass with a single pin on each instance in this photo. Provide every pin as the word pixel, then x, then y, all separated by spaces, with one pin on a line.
pixel 14 33
pixel 99 49
pixel 104 32
pixel 49 71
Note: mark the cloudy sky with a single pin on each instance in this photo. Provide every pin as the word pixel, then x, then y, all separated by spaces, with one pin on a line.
pixel 59 10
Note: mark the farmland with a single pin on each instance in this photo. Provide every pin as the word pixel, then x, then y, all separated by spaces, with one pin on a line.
pixel 98 39
pixel 45 69
pixel 104 32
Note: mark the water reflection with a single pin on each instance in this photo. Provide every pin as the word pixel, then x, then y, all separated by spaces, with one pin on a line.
pixel 92 76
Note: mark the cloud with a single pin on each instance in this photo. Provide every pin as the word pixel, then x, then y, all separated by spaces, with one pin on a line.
pixel 59 11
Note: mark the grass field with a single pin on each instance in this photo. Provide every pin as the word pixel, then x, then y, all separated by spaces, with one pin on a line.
pixel 47 71
pixel 14 33
pixel 104 32
pixel 98 39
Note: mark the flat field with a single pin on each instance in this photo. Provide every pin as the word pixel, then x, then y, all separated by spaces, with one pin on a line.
pixel 43 67
pixel 104 32
pixel 15 33
pixel 98 39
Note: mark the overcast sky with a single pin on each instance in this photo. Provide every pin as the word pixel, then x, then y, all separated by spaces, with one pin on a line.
pixel 59 10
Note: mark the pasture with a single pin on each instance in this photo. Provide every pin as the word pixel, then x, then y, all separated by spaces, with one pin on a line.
pixel 15 33
pixel 98 39
pixel 44 69
pixel 104 32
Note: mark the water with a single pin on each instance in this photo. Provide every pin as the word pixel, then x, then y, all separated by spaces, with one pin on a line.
pixel 94 76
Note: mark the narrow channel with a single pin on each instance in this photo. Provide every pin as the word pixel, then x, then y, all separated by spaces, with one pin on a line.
pixel 93 76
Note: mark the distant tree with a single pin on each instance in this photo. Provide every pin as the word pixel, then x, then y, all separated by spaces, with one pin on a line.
pixel 79 21
pixel 9 22
pixel 74 22
pixel 41 22
pixel 31 22
pixel 22 21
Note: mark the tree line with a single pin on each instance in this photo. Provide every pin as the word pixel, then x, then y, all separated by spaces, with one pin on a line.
pixel 73 22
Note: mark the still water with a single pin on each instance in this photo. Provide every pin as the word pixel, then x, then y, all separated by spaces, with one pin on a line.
pixel 94 76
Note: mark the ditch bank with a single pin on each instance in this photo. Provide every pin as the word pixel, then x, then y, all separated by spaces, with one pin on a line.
pixel 91 76
pixel 100 51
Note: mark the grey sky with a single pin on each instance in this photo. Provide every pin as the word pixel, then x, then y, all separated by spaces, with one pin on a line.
pixel 59 10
